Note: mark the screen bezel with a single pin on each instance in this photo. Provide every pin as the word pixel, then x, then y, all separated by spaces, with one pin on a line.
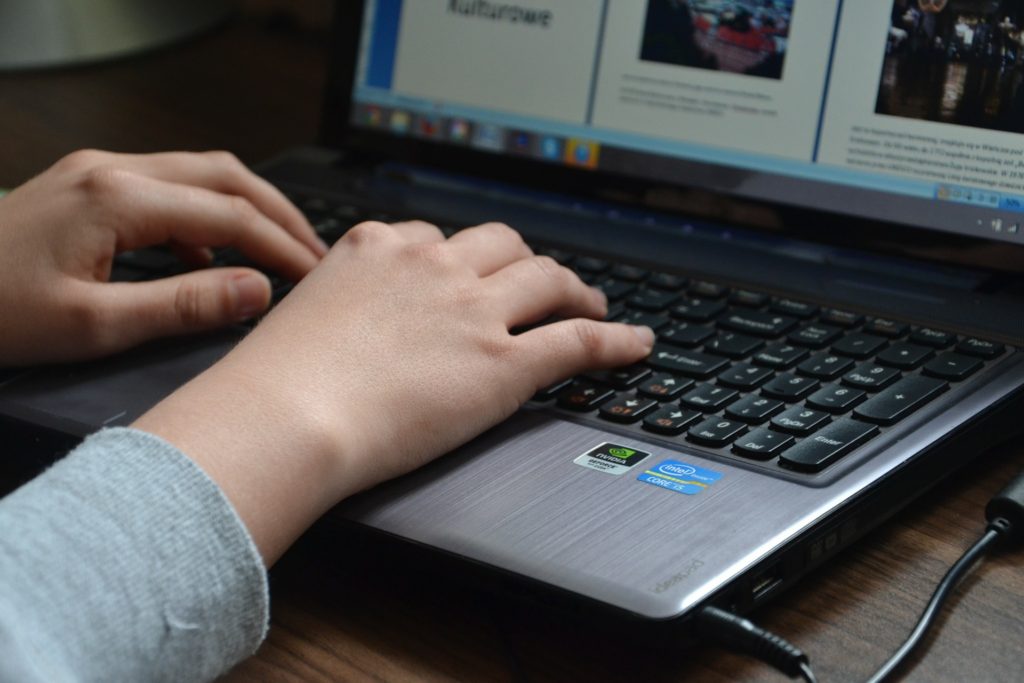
pixel 793 221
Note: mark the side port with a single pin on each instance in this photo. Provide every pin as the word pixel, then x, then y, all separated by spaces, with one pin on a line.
pixel 765 583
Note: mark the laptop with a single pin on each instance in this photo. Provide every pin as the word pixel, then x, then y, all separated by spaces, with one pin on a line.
pixel 817 205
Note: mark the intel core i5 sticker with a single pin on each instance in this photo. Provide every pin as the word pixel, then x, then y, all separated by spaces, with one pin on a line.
pixel 680 477
pixel 611 458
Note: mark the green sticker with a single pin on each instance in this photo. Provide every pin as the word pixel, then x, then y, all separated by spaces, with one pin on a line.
pixel 610 458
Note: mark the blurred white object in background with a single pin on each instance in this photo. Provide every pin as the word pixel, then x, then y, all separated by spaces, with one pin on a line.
pixel 48 33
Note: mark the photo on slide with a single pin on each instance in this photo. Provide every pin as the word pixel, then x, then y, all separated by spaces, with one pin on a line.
pixel 955 62
pixel 739 36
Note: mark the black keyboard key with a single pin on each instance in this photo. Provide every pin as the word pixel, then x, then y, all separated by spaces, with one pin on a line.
pixel 664 387
pixel 584 396
pixel 952 366
pixel 871 377
pixel 797 309
pixel 589 264
pixel 563 257
pixel 835 316
pixel 815 335
pixel 733 345
pixel 754 409
pixel 904 356
pixel 757 323
pixel 670 420
pixel 835 398
pixel 120 273
pixel 780 356
pixel 708 397
pixel 620 378
pixel 622 271
pixel 824 366
pixel 616 289
pixel 347 212
pixel 899 400
pixel 552 390
pixel 745 297
pixel 886 327
pixel 859 345
pixel 153 260
pixel 627 409
pixel 651 320
pixel 789 388
pixel 698 310
pixel 980 348
pixel 716 431
pixel 744 376
pixel 315 208
pixel 667 281
pixel 689 363
pixel 652 299
pixel 817 452
pixel 932 337
pixel 762 444
pixel 708 290
pixel 800 421
pixel 687 335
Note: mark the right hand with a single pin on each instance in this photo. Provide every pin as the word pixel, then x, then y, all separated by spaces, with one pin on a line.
pixel 394 350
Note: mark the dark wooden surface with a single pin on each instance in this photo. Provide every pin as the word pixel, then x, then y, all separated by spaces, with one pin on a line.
pixel 346 609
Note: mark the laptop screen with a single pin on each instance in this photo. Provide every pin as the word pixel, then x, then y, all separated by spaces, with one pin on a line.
pixel 908 111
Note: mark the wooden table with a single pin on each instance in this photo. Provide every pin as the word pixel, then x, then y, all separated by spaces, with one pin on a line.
pixel 343 609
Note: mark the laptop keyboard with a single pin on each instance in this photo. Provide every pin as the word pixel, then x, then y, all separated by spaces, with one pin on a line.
pixel 776 382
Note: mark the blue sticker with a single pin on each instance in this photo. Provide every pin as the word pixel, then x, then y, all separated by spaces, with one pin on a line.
pixel 680 477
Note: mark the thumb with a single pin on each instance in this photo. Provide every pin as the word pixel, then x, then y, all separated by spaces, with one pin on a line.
pixel 193 302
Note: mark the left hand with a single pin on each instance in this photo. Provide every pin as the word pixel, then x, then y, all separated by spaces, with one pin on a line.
pixel 60 231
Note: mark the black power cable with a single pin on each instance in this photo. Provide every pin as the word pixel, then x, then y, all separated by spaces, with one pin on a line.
pixel 1005 515
pixel 741 635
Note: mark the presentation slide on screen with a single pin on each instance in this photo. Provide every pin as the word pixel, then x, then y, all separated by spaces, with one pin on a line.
pixel 535 58
pixel 709 73
pixel 927 95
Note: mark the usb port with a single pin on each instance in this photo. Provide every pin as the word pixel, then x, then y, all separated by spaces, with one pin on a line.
pixel 764 584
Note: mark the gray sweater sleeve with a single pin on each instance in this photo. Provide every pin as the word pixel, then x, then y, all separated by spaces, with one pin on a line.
pixel 125 562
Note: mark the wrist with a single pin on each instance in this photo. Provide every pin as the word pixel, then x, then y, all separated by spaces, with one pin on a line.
pixel 277 461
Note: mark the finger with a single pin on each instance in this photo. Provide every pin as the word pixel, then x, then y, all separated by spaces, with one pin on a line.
pixel 488 248
pixel 569 347
pixel 418 231
pixel 223 172
pixel 132 313
pixel 146 211
pixel 533 288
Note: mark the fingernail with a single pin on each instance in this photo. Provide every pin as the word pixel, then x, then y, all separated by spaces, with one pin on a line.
pixel 323 247
pixel 251 295
pixel 601 297
pixel 645 333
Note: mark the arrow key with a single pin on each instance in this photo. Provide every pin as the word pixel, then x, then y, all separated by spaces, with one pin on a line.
pixel 583 396
pixel 670 420
pixel 664 387
pixel 627 408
